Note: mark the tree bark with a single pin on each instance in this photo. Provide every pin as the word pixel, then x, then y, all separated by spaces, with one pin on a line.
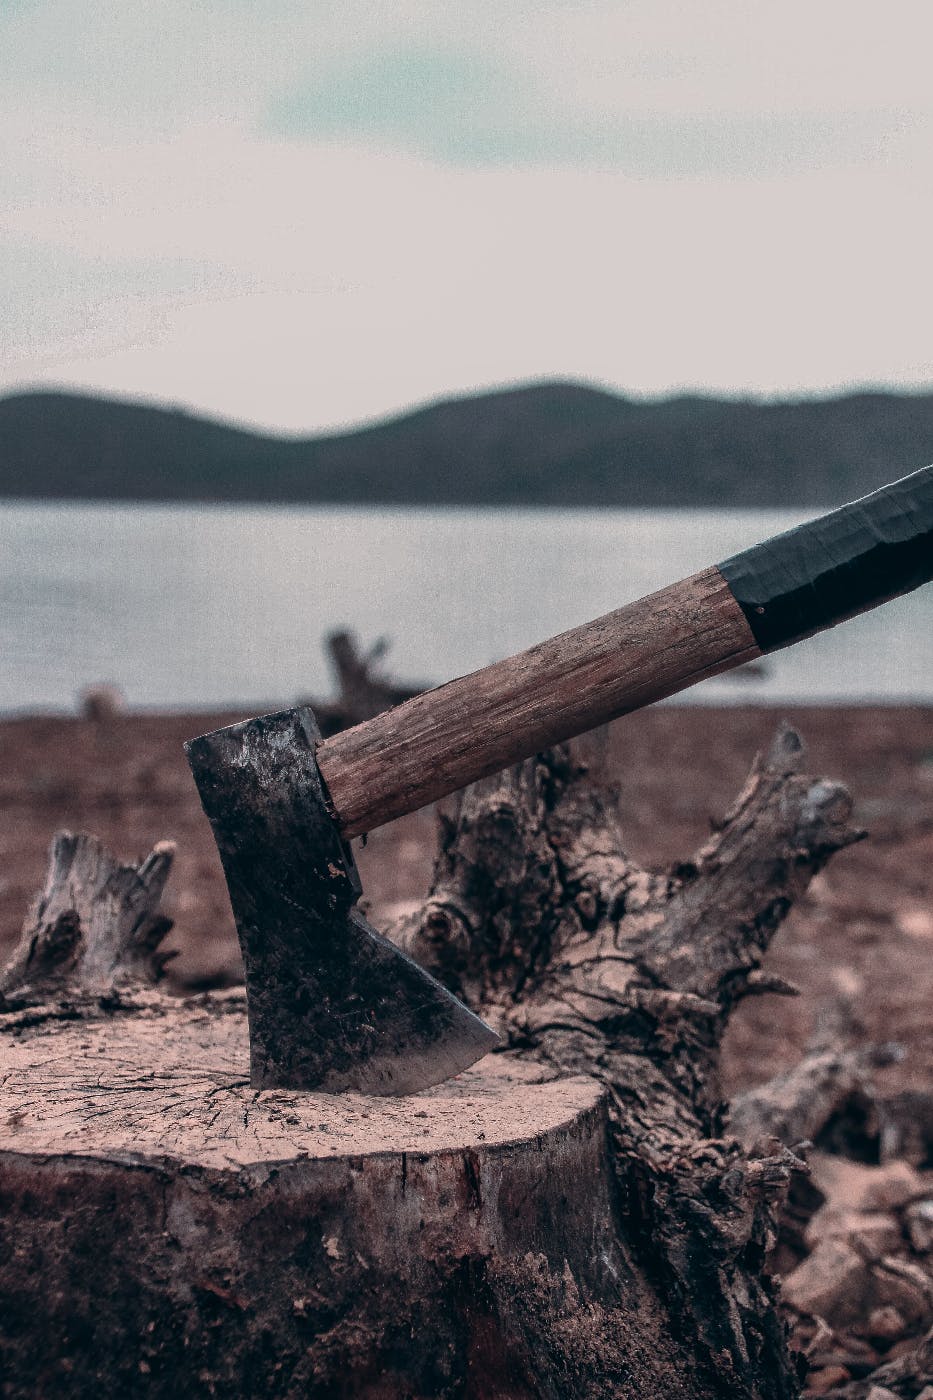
pixel 95 924
pixel 167 1229
pixel 589 964
pixel 573 1217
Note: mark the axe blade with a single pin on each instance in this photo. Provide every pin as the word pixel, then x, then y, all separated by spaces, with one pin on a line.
pixel 332 1004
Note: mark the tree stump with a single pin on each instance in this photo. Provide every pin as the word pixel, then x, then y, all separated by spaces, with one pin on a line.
pixel 168 1229
pixel 572 1217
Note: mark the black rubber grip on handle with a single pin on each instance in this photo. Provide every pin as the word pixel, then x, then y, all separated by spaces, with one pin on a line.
pixel 843 563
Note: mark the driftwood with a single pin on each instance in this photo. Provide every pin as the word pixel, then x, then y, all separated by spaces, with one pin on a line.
pixel 363 689
pixel 574 1217
pixel 95 925
pixel 592 965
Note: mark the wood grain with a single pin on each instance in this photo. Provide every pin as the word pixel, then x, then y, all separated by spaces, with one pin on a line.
pixel 588 962
pixel 164 1079
pixel 95 924
pixel 168 1231
pixel 446 738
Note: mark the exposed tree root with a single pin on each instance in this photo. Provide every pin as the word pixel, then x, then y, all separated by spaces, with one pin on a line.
pixel 590 964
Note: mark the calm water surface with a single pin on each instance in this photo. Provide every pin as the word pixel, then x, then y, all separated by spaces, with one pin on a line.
pixel 209 605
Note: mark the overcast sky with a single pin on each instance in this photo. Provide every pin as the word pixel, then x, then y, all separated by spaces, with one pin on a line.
pixel 302 214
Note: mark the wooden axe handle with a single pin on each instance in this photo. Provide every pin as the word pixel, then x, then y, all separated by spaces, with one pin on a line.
pixel 769 596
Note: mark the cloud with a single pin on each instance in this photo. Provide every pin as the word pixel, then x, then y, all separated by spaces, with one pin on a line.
pixel 466 108
pixel 651 88
pixel 442 103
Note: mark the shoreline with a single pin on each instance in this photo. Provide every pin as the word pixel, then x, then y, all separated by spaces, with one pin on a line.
pixel 230 712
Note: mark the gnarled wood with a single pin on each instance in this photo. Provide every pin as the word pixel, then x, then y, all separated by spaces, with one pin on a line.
pixel 571 1219
pixel 95 924
pixel 827 1096
pixel 588 963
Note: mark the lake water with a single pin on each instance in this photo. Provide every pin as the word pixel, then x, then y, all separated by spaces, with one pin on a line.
pixel 209 605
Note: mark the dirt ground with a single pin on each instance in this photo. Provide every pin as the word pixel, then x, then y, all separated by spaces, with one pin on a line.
pixel 865 931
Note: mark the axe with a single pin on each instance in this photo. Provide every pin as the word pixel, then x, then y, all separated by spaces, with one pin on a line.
pixel 332 1004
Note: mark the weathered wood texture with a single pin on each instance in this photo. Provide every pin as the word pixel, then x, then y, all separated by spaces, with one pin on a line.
pixel 828 1097
pixel 443 739
pixel 588 963
pixel 572 1219
pixel 467 1241
pixel 95 924
pixel 851 1288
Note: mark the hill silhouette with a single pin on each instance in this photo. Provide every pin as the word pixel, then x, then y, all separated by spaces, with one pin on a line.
pixel 557 444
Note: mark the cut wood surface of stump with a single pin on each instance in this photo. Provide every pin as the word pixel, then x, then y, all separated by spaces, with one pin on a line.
pixel 573 1217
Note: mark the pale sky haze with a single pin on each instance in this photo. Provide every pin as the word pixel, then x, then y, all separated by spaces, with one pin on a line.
pixel 303 215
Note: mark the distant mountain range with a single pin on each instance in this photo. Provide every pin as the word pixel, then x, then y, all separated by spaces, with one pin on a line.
pixel 557 444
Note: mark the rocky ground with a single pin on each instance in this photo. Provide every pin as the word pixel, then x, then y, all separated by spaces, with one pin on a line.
pixel 857 1250
pixel 857 1267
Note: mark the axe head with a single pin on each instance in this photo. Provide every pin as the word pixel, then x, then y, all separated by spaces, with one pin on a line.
pixel 332 1005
